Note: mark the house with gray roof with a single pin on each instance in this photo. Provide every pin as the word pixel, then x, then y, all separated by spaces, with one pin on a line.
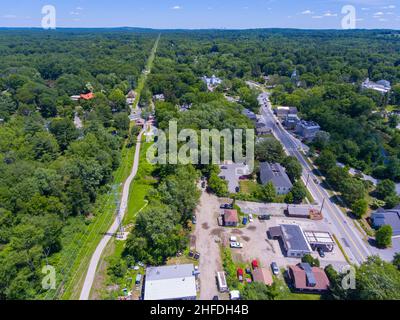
pixel 382 217
pixel 275 173
pixel 307 129
pixel 175 282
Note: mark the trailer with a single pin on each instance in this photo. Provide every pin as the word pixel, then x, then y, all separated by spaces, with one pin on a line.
pixel 221 280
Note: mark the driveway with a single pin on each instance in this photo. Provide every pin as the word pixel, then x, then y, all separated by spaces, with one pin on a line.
pixel 207 230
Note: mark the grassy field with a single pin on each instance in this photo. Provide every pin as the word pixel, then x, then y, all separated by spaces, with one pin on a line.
pixel 248 186
pixel 140 186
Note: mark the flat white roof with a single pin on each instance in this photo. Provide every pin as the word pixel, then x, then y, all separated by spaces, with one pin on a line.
pixel 170 282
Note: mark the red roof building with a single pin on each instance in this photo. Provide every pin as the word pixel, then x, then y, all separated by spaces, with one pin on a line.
pixel 307 278
pixel 231 218
pixel 262 275
pixel 87 96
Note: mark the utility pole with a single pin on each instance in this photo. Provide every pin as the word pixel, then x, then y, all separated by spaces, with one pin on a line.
pixel 322 206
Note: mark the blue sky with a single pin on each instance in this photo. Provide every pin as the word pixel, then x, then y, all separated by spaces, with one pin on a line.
pixel 195 14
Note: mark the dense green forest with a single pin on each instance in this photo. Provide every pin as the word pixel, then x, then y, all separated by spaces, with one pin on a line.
pixel 52 172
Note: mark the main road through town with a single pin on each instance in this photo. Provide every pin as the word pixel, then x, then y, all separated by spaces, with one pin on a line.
pixel 342 226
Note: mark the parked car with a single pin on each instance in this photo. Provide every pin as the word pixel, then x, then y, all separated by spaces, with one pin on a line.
pixel 194 220
pixel 197 256
pixel 233 239
pixel 274 268
pixel 321 252
pixel 244 221
pixel 250 217
pixel 236 245
pixel 203 178
pixel 203 184
pixel 240 274
pixel 226 206
pixel 215 298
pixel 264 217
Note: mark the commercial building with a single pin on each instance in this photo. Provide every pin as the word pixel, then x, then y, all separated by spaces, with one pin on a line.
pixel 275 173
pixel 176 282
pixel 389 217
pixel 320 240
pixel 292 238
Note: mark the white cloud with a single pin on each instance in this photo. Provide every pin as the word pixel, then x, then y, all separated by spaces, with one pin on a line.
pixel 176 8
pixel 317 17
pixel 9 16
pixel 307 12
pixel 329 14
pixel 365 9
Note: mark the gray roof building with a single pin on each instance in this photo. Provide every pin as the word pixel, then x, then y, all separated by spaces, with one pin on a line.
pixel 390 217
pixel 293 239
pixel 175 282
pixel 276 174
pixel 307 129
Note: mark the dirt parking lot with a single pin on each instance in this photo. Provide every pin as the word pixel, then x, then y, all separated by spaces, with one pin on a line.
pixel 208 237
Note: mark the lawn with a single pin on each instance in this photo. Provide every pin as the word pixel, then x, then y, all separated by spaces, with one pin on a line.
pixel 140 186
pixel 248 186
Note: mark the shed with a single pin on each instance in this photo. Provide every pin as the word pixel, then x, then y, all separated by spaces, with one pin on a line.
pixel 262 275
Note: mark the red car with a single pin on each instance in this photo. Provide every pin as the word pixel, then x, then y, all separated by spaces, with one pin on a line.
pixel 240 274
pixel 254 264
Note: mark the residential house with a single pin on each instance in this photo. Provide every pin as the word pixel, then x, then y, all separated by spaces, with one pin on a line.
pixel 249 114
pixel 391 217
pixel 231 218
pixel 213 81
pixel 275 173
pixel 291 121
pixel 159 97
pixel 130 97
pixel 87 96
pixel 283 112
pixel 175 282
pixel 305 278
pixel 382 86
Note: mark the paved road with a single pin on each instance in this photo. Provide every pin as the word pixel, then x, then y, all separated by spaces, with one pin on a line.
pixel 342 227
pixel 87 286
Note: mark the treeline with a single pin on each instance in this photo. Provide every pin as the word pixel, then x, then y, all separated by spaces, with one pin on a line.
pixel 161 228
